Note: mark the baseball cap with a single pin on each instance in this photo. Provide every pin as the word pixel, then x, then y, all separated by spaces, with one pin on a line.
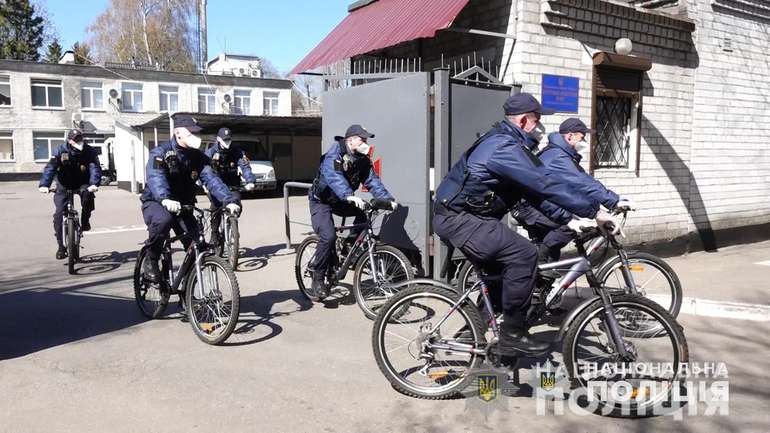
pixel 74 134
pixel 524 103
pixel 185 121
pixel 573 124
pixel 359 131
pixel 225 133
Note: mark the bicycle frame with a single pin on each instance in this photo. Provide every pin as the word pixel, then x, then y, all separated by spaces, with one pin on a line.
pixel 366 236
pixel 194 255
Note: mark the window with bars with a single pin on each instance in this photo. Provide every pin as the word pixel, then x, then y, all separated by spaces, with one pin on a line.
pixel 616 113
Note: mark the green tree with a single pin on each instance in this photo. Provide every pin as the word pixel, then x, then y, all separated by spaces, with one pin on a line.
pixel 83 54
pixel 22 30
pixel 54 51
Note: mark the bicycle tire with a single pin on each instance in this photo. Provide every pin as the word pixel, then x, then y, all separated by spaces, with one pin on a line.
pixel 298 268
pixel 675 286
pixel 392 307
pixel 233 242
pixel 596 309
pixel 360 267
pixel 197 327
pixel 72 245
pixel 154 309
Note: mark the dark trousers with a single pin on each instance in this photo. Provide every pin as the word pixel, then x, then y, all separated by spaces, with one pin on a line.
pixel 159 221
pixel 323 226
pixel 87 203
pixel 550 240
pixel 486 241
pixel 216 204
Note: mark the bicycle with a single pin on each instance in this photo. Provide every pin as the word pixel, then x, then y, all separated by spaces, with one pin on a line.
pixel 205 283
pixel 72 231
pixel 616 273
pixel 441 333
pixel 229 236
pixel 377 266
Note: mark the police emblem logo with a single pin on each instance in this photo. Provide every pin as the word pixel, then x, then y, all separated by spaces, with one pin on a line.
pixel 547 380
pixel 487 387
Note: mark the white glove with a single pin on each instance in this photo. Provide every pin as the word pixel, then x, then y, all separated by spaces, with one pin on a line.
pixel 249 187
pixel 233 208
pixel 93 188
pixel 172 206
pixel 626 203
pixel 43 189
pixel 357 202
pixel 604 219
pixel 577 224
pixel 393 205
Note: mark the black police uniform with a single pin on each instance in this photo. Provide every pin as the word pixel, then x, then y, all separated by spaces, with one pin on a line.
pixel 74 170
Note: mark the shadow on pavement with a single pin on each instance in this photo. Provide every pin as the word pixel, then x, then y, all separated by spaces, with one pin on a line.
pixel 256 315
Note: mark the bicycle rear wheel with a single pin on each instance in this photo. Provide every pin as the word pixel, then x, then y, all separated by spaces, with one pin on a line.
pixel 213 304
pixel 72 245
pixel 410 346
pixel 650 373
pixel 151 298
pixel 391 267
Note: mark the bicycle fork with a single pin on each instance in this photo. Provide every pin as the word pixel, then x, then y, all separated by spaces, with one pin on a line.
pixel 613 328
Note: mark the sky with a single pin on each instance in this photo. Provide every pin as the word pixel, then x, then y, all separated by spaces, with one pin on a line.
pixel 281 31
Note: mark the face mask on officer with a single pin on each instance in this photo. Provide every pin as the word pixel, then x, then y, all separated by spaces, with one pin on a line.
pixel 575 139
pixel 225 143
pixel 77 144
pixel 187 139
pixel 538 132
pixel 357 144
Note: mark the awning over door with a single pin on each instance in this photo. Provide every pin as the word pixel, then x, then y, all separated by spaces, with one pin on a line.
pixel 382 24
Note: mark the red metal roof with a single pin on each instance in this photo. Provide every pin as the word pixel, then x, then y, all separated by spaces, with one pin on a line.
pixel 381 24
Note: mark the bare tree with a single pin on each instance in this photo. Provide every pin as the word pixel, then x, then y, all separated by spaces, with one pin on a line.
pixel 156 32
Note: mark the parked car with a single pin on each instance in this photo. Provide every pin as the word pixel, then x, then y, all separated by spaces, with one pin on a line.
pixel 265 174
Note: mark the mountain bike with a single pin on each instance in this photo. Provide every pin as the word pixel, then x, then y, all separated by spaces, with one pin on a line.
pixel 72 231
pixel 376 266
pixel 630 272
pixel 429 339
pixel 205 283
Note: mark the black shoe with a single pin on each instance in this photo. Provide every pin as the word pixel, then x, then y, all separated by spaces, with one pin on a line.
pixel 61 253
pixel 320 289
pixel 85 226
pixel 515 340
pixel 150 270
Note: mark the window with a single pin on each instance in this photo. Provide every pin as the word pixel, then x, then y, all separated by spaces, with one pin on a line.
pixel 46 94
pixel 5 90
pixel 43 144
pixel 91 95
pixel 206 100
pixel 132 97
pixel 6 146
pixel 242 101
pixel 270 103
pixel 169 98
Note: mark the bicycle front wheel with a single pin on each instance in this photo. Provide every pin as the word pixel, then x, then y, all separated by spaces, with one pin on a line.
pixel 372 282
pixel 639 383
pixel 232 241
pixel 303 271
pixel 72 245
pixel 653 277
pixel 213 304
pixel 424 345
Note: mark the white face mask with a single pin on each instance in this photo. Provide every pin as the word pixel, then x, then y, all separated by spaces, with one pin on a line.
pixel 363 149
pixel 224 143
pixel 193 141
pixel 78 146
pixel 538 132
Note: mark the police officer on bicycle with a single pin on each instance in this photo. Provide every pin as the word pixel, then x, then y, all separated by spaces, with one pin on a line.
pixel 226 158
pixel 489 179
pixel 173 169
pixel 343 168
pixel 76 167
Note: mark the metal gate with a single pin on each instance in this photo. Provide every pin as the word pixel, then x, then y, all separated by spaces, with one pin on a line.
pixel 422 121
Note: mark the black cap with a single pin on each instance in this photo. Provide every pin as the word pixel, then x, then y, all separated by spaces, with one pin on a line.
pixel 74 134
pixel 524 103
pixel 185 121
pixel 573 124
pixel 359 131
pixel 225 133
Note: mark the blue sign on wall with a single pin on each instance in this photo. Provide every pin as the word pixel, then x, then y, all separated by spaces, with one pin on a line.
pixel 560 93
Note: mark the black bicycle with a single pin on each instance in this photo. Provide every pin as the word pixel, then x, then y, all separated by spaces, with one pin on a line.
pixel 72 231
pixel 205 283
pixel 629 272
pixel 429 339
pixel 377 266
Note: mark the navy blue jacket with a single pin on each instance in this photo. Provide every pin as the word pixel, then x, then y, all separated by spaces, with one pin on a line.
pixel 498 171
pixel 73 168
pixel 341 174
pixel 173 170
pixel 561 159
pixel 225 163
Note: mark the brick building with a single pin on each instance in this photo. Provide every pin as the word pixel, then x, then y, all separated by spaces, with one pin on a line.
pixel 680 120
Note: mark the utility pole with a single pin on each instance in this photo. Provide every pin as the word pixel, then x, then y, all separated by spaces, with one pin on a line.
pixel 203 56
